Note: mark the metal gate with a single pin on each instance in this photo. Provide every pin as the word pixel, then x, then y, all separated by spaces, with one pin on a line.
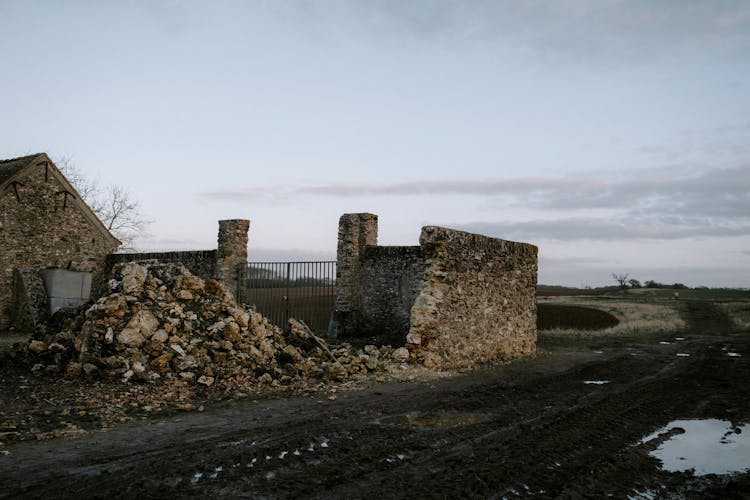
pixel 283 290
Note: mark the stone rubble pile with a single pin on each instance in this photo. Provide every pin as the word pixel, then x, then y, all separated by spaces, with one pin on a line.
pixel 161 322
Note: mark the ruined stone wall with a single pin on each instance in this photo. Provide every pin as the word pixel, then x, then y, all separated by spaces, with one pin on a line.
pixel 231 256
pixel 356 232
pixel 478 301
pixel 391 279
pixel 201 263
pixel 30 299
pixel 41 227
pixel 223 264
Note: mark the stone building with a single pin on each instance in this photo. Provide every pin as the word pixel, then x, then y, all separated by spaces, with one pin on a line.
pixel 456 300
pixel 44 224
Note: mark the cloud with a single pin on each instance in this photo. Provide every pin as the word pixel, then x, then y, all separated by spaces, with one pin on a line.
pixel 623 228
pixel 667 203
pixel 603 31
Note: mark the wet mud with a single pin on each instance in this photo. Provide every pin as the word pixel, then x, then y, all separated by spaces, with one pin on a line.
pixel 539 428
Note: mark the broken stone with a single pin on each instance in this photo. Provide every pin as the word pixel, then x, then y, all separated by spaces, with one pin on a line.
pixel 37 346
pixel 401 355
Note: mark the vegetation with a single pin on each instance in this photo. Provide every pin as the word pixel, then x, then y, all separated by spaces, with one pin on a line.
pixel 113 205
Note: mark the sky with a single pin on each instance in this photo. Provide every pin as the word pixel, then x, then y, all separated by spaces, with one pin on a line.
pixel 614 135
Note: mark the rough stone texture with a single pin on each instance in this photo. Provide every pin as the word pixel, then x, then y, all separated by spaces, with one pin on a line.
pixel 391 279
pixel 159 322
pixel 457 300
pixel 356 232
pixel 30 300
pixel 201 263
pixel 231 258
pixel 478 302
pixel 44 224
pixel 224 264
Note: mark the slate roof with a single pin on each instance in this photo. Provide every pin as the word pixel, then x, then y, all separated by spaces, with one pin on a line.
pixel 9 168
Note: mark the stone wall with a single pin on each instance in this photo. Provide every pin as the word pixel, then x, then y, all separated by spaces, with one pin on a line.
pixel 478 302
pixel 356 232
pixel 43 226
pixel 223 264
pixel 457 300
pixel 391 279
pixel 201 263
pixel 30 299
pixel 231 256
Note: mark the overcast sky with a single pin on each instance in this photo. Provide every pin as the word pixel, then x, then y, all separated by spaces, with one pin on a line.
pixel 615 135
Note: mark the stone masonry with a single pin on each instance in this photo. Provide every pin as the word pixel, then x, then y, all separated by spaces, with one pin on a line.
pixel 44 224
pixel 478 300
pixel 457 300
pixel 356 232
pixel 224 264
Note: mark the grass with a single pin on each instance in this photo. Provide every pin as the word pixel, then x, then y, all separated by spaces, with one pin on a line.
pixel 646 314
pixel 639 319
pixel 738 312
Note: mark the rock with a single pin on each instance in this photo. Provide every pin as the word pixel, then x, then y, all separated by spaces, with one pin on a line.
pixel 160 364
pixel 400 355
pixel 178 349
pixel 133 277
pixel 37 346
pixel 90 369
pixel 73 369
pixel 160 336
pixel 56 347
pixel 207 381
pixel 130 338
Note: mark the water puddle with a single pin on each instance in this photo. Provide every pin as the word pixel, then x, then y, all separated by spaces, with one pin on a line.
pixel 734 355
pixel 708 446
pixel 683 355
pixel 596 382
pixel 437 420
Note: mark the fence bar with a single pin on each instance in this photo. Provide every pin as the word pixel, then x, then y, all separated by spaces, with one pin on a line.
pixel 283 290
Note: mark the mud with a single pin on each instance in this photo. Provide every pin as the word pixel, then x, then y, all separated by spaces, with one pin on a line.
pixel 531 428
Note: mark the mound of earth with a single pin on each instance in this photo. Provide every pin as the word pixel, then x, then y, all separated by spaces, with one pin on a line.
pixel 552 316
pixel 159 321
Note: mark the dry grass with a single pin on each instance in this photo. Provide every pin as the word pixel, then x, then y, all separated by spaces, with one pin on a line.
pixel 738 312
pixel 634 317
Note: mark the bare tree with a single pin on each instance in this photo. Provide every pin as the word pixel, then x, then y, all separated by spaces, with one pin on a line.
pixel 634 283
pixel 621 279
pixel 113 205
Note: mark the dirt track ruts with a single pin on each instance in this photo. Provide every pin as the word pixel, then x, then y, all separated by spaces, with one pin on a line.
pixel 529 428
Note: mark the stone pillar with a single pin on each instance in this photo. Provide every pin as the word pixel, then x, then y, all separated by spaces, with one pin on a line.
pixel 356 231
pixel 231 256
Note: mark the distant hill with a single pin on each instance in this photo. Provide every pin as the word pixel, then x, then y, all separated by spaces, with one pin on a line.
pixel 555 290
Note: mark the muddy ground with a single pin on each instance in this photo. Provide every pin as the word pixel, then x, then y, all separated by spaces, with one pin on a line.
pixel 529 428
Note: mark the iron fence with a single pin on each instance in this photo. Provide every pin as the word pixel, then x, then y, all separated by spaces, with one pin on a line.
pixel 283 290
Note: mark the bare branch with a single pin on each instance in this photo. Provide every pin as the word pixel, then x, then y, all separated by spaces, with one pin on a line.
pixel 113 205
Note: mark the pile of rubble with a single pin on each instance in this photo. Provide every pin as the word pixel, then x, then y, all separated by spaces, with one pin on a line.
pixel 159 321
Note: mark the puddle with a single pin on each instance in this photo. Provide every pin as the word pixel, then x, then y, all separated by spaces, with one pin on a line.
pixel 734 355
pixel 596 382
pixel 708 446
pixel 665 343
pixel 679 338
pixel 436 420
pixel 683 355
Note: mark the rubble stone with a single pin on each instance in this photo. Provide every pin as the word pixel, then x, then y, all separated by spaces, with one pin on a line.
pixel 147 329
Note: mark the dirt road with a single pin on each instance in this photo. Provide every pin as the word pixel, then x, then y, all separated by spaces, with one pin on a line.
pixel 565 424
